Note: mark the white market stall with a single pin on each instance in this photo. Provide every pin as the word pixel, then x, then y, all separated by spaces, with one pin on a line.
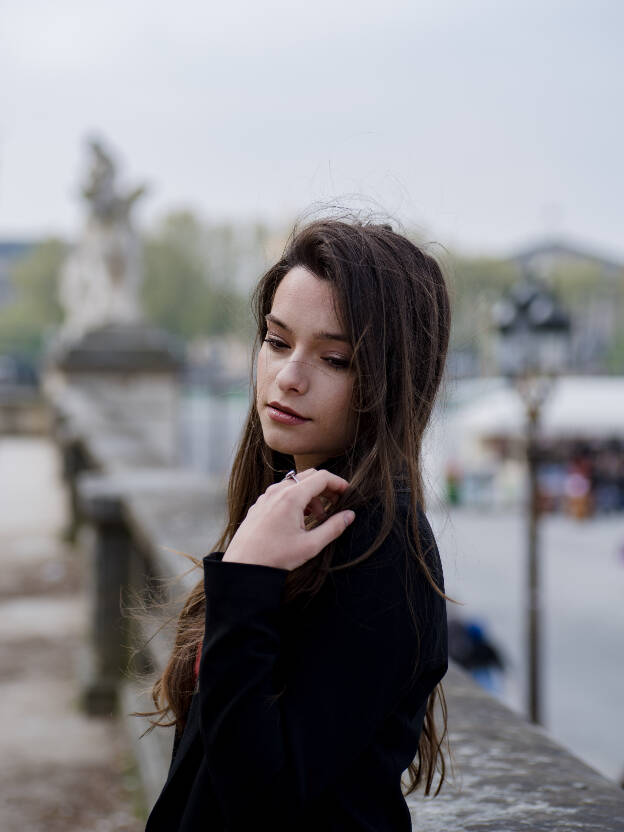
pixel 478 411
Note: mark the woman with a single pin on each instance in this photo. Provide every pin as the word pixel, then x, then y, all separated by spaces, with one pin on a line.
pixel 306 663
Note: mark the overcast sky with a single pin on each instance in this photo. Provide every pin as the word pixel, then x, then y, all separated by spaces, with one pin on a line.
pixel 483 123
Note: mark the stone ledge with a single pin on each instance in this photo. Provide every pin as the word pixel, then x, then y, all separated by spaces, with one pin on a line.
pixel 510 775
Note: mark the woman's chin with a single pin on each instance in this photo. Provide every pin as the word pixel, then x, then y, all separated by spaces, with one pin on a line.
pixel 292 449
pixel 279 441
pixel 279 444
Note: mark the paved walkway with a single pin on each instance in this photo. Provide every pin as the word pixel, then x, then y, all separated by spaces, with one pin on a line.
pixel 59 770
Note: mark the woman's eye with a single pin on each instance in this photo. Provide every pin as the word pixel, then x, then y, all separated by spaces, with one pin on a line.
pixel 338 363
pixel 333 361
pixel 275 344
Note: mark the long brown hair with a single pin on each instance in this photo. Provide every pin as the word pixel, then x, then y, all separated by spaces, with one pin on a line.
pixel 393 303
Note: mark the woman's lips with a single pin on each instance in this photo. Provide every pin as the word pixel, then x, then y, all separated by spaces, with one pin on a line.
pixel 285 418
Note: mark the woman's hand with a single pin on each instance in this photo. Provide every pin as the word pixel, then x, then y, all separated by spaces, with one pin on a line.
pixel 274 534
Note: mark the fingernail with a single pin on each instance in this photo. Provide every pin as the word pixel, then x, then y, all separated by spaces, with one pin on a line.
pixel 349 517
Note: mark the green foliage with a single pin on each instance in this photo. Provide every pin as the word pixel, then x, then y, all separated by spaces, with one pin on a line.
pixel 475 284
pixel 615 356
pixel 35 312
pixel 582 286
pixel 188 289
pixel 578 284
pixel 178 293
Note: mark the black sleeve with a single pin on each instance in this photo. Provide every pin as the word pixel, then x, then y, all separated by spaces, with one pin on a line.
pixel 272 758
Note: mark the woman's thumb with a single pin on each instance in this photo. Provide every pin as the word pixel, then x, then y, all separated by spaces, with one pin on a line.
pixel 348 516
pixel 331 528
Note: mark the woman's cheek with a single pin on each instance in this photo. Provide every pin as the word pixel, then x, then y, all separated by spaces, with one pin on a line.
pixel 263 369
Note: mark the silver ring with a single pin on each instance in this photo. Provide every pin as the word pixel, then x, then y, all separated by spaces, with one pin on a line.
pixel 291 475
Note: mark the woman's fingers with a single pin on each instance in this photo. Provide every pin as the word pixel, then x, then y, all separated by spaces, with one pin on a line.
pixel 332 528
pixel 311 487
pixel 323 493
pixel 272 532
pixel 326 490
pixel 317 508
pixel 313 483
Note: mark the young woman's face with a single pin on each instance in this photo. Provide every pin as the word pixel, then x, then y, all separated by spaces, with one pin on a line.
pixel 303 367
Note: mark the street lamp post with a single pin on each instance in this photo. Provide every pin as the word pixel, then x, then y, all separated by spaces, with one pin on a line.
pixel 533 338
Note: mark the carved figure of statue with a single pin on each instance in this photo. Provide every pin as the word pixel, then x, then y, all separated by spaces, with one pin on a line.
pixel 101 278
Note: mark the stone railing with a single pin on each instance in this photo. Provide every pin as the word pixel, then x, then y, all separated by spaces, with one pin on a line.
pixel 508 774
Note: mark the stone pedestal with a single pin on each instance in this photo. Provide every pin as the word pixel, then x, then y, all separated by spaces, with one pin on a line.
pixel 130 376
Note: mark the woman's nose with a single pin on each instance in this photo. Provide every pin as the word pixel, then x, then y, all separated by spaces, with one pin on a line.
pixel 293 376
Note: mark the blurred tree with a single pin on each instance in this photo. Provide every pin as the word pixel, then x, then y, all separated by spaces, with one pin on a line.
pixel 615 356
pixel 179 292
pixel 594 299
pixel 190 279
pixel 26 322
pixel 474 285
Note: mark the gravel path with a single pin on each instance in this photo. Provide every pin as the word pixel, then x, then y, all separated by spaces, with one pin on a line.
pixel 59 769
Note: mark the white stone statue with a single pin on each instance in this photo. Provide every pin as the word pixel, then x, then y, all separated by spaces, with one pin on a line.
pixel 101 278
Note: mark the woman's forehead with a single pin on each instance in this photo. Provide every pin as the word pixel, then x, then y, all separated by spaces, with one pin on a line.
pixel 304 302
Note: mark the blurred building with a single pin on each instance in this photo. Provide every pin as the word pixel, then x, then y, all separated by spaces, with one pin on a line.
pixel 589 284
pixel 592 288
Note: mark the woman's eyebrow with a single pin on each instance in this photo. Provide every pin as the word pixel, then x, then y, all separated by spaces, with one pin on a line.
pixel 319 336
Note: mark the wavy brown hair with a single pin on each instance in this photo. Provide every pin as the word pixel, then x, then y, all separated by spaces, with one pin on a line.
pixel 393 303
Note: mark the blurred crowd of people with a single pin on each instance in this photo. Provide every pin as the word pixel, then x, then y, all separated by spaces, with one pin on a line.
pixel 591 482
pixel 580 479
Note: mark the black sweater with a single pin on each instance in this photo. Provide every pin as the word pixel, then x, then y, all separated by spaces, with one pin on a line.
pixel 328 753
